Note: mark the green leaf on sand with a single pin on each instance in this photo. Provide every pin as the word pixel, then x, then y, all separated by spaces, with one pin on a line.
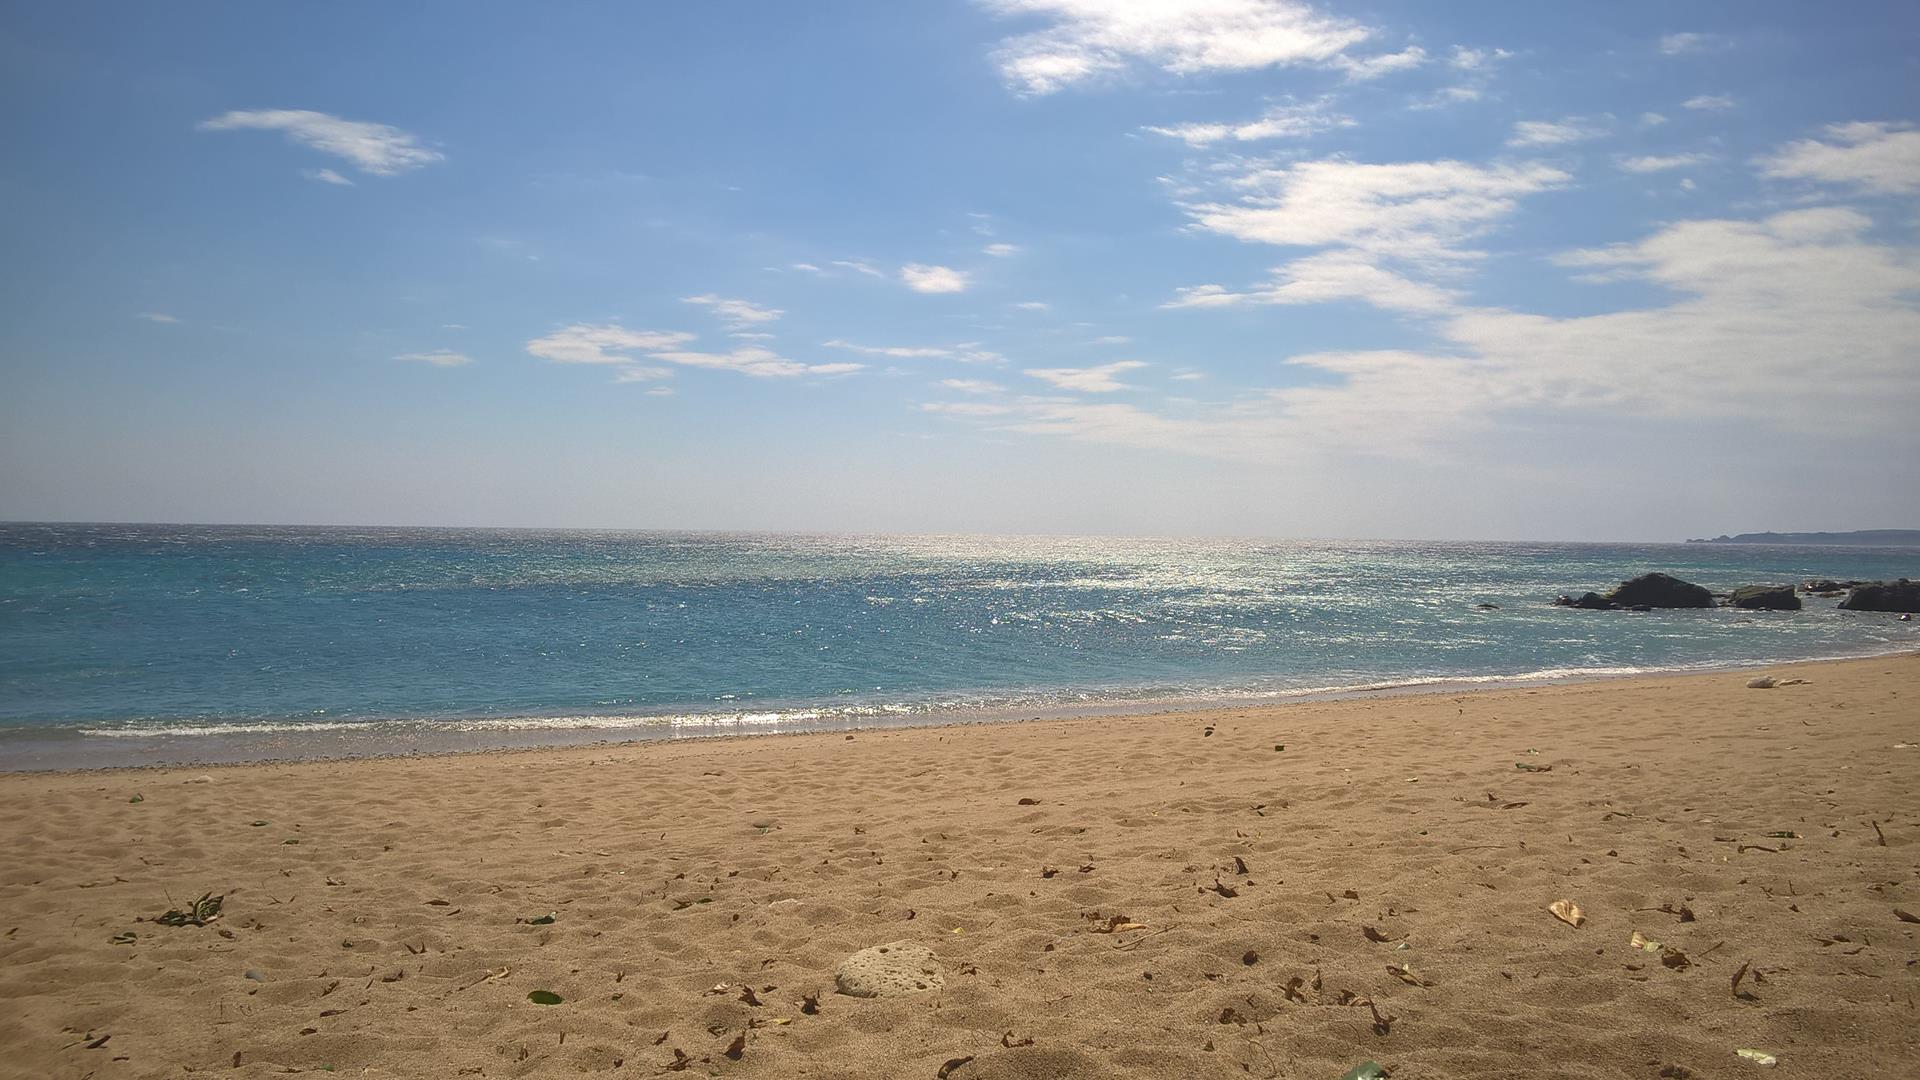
pixel 544 997
pixel 1369 1070
pixel 543 920
pixel 138 798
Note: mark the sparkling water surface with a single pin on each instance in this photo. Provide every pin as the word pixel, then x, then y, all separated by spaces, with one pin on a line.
pixel 131 631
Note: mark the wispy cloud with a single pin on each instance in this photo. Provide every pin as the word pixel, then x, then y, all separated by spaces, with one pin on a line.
pixel 157 317
pixel 968 352
pixel 372 148
pixel 1001 251
pixel 734 312
pixel 1100 379
pixel 1362 68
pixel 859 267
pixel 1411 210
pixel 1709 102
pixel 437 358
pixel 1684 43
pixel 583 343
pixel 1034 305
pixel 1084 40
pixel 1318 279
pixel 755 361
pixel 934 279
pixel 1661 162
pixel 1553 133
pixel 1878 157
pixel 1279 122
pixel 326 176
pixel 972 386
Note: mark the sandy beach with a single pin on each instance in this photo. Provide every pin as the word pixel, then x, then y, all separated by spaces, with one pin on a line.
pixel 1287 891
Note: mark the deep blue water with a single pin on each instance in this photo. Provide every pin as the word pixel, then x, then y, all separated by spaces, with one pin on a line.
pixel 109 630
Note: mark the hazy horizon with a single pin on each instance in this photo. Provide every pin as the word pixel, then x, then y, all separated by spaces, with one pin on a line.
pixel 1253 268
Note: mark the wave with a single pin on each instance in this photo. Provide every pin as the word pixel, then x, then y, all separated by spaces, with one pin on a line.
pixel 804 718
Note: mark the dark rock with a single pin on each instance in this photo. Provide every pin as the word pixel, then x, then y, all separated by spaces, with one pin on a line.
pixel 1902 595
pixel 1766 597
pixel 1592 601
pixel 1660 591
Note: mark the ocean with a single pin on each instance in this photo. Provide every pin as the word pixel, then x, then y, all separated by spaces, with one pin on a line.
pixel 126 644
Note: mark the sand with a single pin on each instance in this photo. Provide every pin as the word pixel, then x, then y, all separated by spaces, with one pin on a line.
pixel 391 913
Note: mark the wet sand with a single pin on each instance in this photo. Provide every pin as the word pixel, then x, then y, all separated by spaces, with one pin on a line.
pixel 1181 897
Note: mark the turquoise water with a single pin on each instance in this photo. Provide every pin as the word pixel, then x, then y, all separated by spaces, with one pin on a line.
pixel 115 634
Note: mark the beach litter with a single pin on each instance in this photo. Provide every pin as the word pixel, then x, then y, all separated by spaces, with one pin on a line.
pixel 1567 912
pixel 1366 1070
pixel 1644 943
pixel 199 913
pixel 1761 683
pixel 1758 1057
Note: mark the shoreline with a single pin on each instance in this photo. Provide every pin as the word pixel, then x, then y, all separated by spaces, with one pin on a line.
pixel 1284 865
pixel 385 739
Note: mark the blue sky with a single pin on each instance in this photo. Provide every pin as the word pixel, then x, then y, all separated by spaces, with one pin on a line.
pixel 1243 266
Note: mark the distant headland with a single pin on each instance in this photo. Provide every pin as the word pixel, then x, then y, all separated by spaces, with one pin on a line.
pixel 1857 538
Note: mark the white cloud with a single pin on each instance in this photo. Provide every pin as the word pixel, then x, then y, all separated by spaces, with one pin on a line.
pixel 1360 69
pixel 734 312
pixel 859 267
pixel 972 386
pixel 1878 157
pixel 751 335
pixel 1651 119
pixel 638 373
pixel 808 267
pixel 453 326
pixel 1001 251
pixel 1412 210
pixel 1112 339
pixel 934 279
pixel 1709 102
pixel 326 176
pixel 1034 305
pixel 753 360
pixel 438 358
pixel 1552 133
pixel 1681 44
pixel 1086 39
pixel 1661 163
pixel 660 391
pixel 1465 59
pixel 1188 376
pixel 968 352
pixel 157 316
pixel 1088 380
pixel 372 148
pixel 1342 274
pixel 1279 122
pixel 1778 325
pixel 966 408
pixel 588 344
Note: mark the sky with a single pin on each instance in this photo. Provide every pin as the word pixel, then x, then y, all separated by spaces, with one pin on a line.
pixel 1226 267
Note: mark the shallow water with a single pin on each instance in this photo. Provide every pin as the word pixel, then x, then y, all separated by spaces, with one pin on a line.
pixel 168 634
